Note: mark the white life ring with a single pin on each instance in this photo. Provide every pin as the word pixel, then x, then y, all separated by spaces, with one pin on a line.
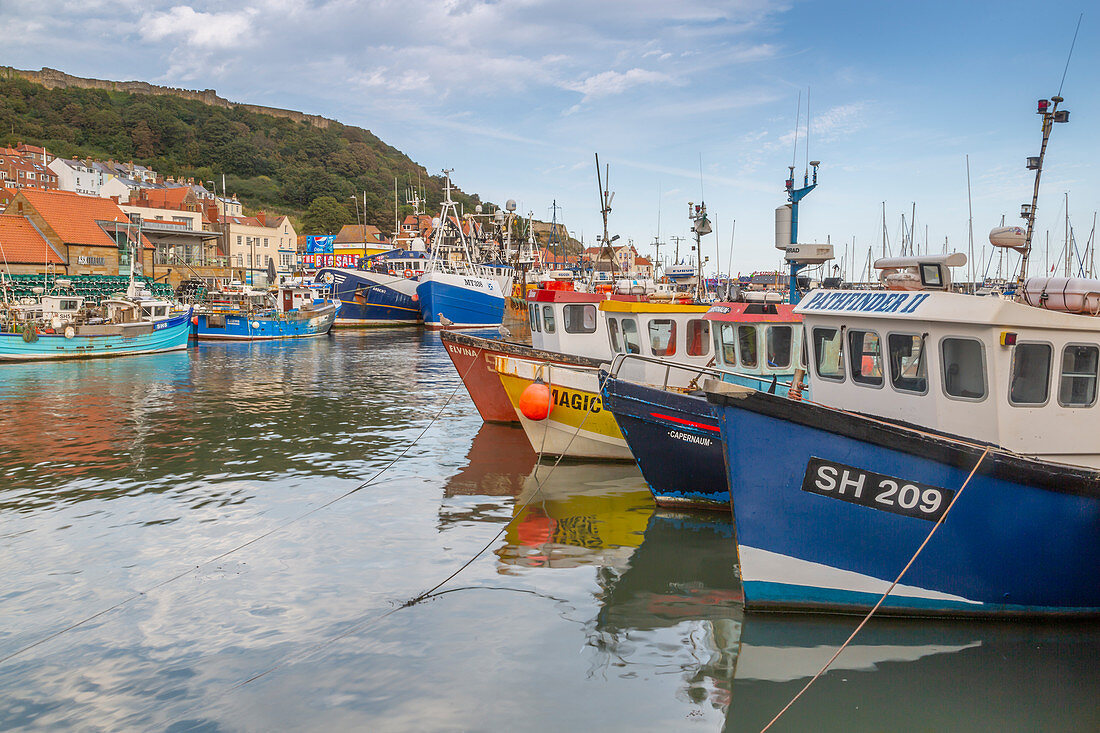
pixel 255 324
pixel 69 332
pixel 409 273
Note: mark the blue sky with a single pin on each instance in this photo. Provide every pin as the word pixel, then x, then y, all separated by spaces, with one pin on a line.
pixel 517 96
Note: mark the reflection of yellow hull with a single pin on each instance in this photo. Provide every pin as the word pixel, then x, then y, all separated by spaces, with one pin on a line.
pixel 578 425
pixel 582 515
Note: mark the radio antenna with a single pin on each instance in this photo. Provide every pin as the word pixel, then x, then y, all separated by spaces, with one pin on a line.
pixel 1070 55
pixel 797 119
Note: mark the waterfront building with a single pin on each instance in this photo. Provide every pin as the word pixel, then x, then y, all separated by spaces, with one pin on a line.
pixel 254 241
pixel 89 235
pixel 186 243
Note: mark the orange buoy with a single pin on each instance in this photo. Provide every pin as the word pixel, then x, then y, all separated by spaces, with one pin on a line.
pixel 534 403
pixel 194 320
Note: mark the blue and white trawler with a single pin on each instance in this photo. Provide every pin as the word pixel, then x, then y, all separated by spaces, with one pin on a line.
pixel 975 416
pixel 454 291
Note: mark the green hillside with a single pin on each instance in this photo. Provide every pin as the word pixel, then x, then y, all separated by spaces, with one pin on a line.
pixel 271 163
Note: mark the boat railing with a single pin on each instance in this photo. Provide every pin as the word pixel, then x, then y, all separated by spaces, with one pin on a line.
pixel 699 372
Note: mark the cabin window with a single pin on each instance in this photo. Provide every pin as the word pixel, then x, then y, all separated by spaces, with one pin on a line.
pixel 535 324
pixel 963 368
pixel 68 305
pixel 662 337
pixel 698 337
pixel 804 354
pixel 725 345
pixel 777 346
pixel 908 371
pixel 865 355
pixel 746 345
pixel 579 318
pixel 1030 382
pixel 613 334
pixel 548 318
pixel 828 351
pixel 630 336
pixel 1078 385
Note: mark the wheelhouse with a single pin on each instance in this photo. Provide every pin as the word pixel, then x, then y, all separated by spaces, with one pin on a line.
pixel 988 369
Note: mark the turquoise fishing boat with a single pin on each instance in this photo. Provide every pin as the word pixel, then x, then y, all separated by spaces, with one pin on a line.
pixel 63 327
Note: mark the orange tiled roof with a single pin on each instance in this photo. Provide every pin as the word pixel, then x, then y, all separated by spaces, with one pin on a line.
pixel 166 198
pixel 74 217
pixel 21 243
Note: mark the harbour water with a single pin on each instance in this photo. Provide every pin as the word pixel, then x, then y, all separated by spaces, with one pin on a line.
pixel 179 551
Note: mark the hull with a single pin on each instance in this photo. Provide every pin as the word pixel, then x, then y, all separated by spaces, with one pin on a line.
pixel 832 505
pixel 578 425
pixel 475 359
pixel 463 301
pixel 675 439
pixel 372 298
pixel 238 327
pixel 167 335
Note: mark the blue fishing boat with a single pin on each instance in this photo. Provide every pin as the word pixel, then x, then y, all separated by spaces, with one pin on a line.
pixel 966 423
pixel 62 326
pixel 673 432
pixel 454 291
pixel 381 291
pixel 293 310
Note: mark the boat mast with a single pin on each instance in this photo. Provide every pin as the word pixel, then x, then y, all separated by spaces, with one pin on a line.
pixel 1050 114
pixel 605 209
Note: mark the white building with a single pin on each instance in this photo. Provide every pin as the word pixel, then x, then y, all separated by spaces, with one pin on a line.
pixel 77 176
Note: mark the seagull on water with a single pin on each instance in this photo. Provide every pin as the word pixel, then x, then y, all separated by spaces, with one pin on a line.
pixel 503 331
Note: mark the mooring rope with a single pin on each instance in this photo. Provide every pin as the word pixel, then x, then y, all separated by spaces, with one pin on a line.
pixel 889 590
pixel 431 592
pixel 254 540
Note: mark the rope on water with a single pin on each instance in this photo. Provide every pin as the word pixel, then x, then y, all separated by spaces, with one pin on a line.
pixel 254 540
pixel 889 590
pixel 369 622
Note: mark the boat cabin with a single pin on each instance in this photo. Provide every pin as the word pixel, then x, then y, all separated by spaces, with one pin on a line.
pixel 63 308
pixel 297 295
pixel 988 369
pixel 763 338
pixel 398 262
pixel 568 322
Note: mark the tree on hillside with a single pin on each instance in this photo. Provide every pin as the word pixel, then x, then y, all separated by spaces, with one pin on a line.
pixel 325 216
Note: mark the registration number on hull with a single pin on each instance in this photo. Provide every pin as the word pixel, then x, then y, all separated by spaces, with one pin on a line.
pixel 875 490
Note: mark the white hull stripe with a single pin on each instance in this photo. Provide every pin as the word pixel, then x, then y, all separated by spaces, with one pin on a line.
pixel 771 567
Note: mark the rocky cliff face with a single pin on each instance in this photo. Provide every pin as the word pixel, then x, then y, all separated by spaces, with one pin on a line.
pixel 52 78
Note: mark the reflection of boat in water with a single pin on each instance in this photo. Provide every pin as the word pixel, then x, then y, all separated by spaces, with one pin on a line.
pixel 582 515
pixel 498 464
pixel 677 604
pixel 999 674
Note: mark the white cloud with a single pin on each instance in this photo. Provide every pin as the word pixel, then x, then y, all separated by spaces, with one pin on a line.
pixel 615 82
pixel 200 29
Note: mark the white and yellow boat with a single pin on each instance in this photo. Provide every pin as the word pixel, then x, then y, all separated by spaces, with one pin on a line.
pixel 578 426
